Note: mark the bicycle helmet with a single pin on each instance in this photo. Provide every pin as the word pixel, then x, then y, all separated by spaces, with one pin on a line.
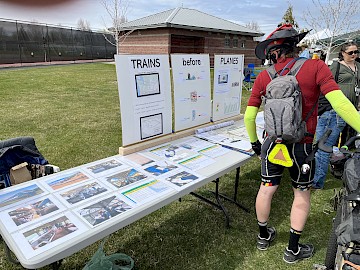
pixel 284 38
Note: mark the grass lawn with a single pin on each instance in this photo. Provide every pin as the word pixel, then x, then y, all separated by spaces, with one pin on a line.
pixel 73 113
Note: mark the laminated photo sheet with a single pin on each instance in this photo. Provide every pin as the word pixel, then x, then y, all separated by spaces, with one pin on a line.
pixel 148 191
pixel 197 162
pixel 103 209
pixel 138 159
pixel 172 152
pixel 83 192
pixel 195 144
pixel 51 232
pixel 65 179
pixel 160 168
pixel 192 90
pixel 214 151
pixel 31 212
pixel 127 177
pixel 104 167
pixel 20 194
pixel 181 178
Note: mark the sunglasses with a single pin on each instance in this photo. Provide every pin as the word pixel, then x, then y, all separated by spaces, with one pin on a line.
pixel 352 52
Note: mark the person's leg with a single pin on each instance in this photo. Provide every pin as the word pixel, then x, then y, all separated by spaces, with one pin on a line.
pixel 270 178
pixel 300 209
pixel 301 205
pixel 328 120
pixel 263 202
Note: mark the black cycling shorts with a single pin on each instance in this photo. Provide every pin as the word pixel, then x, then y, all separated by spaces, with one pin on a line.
pixel 271 174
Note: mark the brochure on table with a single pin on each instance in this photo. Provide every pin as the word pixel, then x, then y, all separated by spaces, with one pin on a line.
pixel 192 90
pixel 228 73
pixel 145 96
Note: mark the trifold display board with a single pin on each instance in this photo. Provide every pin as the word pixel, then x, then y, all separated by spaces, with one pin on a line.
pixel 228 70
pixel 145 96
pixel 192 90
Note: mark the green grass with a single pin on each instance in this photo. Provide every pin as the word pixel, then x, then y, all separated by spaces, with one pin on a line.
pixel 73 113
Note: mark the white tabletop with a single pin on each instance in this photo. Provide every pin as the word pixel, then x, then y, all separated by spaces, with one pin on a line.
pixel 223 165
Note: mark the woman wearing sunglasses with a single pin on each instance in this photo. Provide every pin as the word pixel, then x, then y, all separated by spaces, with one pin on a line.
pixel 346 72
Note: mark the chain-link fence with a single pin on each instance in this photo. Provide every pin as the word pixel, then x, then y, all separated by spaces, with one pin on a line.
pixel 28 43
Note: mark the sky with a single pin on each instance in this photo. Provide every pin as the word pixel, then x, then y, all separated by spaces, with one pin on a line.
pixel 266 13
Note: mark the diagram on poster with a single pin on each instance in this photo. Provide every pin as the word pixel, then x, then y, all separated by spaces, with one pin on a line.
pixel 145 96
pixel 147 84
pixel 192 89
pixel 10 196
pixel 151 125
pixel 103 210
pixel 46 235
pixel 228 75
pixel 28 213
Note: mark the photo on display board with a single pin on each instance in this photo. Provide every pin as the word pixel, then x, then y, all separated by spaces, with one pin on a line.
pixel 124 178
pixel 151 125
pixel 11 197
pixel 147 84
pixel 103 210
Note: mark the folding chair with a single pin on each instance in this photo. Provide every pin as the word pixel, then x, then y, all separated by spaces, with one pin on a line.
pixel 248 82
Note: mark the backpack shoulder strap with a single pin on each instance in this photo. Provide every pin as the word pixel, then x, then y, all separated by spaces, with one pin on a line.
pixel 272 72
pixel 337 72
pixel 297 66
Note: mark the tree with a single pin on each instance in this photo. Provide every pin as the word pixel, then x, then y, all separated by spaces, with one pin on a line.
pixel 289 17
pixel 117 10
pixel 253 26
pixel 333 19
pixel 83 25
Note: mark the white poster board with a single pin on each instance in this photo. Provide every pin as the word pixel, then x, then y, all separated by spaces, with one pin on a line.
pixel 192 89
pixel 145 96
pixel 228 74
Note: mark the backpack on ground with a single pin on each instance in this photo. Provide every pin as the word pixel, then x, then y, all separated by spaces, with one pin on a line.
pixel 283 105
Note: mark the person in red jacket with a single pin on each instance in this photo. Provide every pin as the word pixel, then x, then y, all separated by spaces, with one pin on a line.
pixel 313 78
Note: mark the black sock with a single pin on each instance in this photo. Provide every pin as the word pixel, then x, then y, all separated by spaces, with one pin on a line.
pixel 263 229
pixel 294 240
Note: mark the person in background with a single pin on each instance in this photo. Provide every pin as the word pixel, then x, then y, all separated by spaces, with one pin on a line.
pixel 304 51
pixel 347 75
pixel 316 54
pixel 314 78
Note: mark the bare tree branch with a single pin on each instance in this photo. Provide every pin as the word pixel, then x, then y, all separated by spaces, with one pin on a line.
pixel 117 11
pixel 335 17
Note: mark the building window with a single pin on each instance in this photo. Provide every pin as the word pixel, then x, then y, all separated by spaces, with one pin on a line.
pixel 227 41
pixel 243 44
pixel 235 42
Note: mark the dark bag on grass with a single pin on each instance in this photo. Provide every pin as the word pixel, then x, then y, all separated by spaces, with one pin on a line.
pixel 351 175
pixel 116 261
